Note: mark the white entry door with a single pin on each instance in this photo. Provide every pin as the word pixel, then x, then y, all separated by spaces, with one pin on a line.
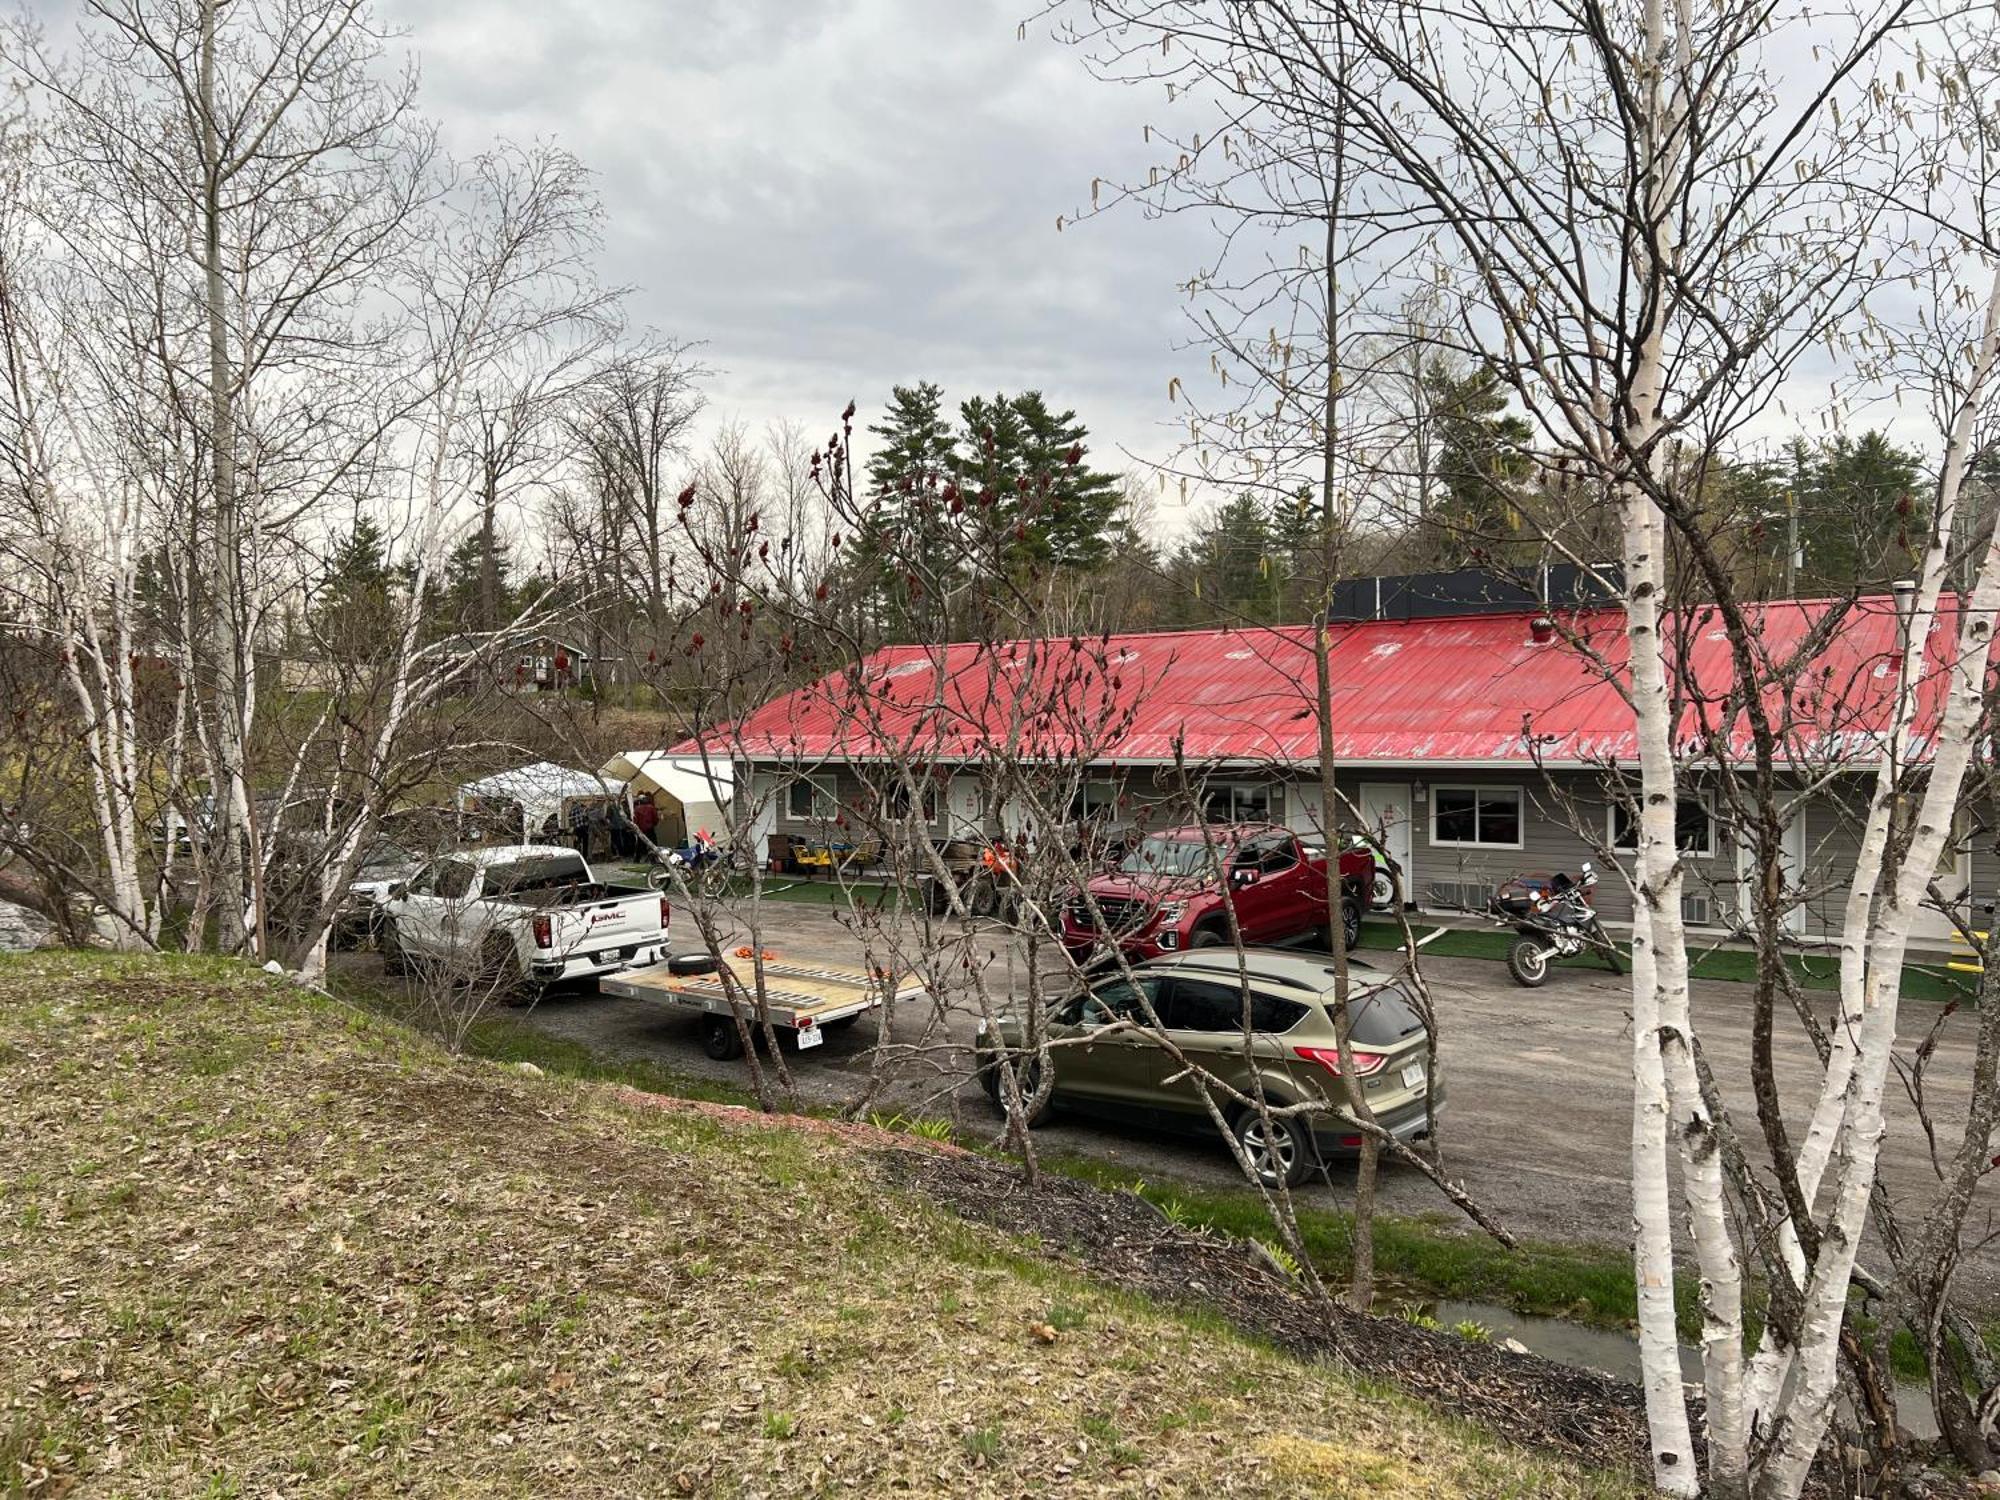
pixel 1385 809
pixel 1791 875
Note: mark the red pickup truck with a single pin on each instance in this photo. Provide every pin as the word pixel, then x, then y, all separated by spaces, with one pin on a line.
pixel 1166 894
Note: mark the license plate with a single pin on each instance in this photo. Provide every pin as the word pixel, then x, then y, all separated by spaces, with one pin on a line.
pixel 810 1036
pixel 1413 1076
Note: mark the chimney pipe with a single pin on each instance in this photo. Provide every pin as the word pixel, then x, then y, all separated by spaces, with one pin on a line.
pixel 1541 630
pixel 1905 592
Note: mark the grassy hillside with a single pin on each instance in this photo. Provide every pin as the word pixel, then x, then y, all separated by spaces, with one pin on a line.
pixel 253 1244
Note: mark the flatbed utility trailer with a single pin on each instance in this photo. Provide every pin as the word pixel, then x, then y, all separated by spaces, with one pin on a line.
pixel 806 999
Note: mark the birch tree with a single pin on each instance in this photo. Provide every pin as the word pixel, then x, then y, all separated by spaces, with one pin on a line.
pixel 258 164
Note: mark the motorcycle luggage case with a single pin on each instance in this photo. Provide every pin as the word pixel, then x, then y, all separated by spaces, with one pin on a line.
pixel 1517 897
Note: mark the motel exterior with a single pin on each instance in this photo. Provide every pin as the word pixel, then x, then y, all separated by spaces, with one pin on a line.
pixel 1477 745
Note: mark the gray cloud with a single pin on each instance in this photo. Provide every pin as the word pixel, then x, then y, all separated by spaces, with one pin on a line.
pixel 837 198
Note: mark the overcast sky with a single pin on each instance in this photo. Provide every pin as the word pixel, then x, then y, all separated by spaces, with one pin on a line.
pixel 835 198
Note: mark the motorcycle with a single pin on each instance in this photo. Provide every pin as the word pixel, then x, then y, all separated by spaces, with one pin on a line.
pixel 1555 921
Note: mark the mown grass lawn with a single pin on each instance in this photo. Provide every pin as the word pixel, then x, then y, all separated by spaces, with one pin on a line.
pixel 254 1242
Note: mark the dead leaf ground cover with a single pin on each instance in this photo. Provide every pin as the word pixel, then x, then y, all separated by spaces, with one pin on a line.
pixel 257 1244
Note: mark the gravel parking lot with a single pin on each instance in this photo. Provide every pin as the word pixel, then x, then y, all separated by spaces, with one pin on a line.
pixel 1539 1105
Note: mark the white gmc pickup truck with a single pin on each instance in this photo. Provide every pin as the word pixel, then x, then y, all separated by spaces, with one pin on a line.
pixel 520 919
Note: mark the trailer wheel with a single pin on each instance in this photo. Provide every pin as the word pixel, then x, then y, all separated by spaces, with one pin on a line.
pixel 719 1039
pixel 845 1023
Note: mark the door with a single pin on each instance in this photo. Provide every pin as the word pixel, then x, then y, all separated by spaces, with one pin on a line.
pixel 1119 1070
pixel 1792 870
pixel 440 910
pixel 1290 894
pixel 1385 808
pixel 1251 892
pixel 1931 924
pixel 419 913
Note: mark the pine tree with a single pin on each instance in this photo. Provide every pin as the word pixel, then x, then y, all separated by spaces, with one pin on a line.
pixel 459 584
pixel 353 611
pixel 1038 500
pixel 909 514
pixel 1482 453
pixel 1226 567
pixel 1071 506
pixel 1862 513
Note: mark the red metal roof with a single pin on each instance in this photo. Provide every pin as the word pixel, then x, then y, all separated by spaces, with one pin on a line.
pixel 1466 691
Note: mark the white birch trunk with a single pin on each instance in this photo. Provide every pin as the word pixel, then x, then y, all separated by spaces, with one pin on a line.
pixel 1658 877
pixel 1674 1471
pixel 1857 1089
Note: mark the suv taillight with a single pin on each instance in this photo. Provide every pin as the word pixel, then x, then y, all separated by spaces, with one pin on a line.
pixel 544 930
pixel 666 913
pixel 1329 1058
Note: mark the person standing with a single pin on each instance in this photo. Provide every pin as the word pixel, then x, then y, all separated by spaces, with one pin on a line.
pixel 646 818
pixel 579 827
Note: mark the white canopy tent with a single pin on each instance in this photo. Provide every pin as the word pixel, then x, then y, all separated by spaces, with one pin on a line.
pixel 539 790
pixel 701 790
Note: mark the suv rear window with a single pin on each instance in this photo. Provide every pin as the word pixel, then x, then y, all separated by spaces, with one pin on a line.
pixel 1202 1005
pixel 1382 1019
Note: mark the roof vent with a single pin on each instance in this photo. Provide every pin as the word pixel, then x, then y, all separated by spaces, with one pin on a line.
pixel 1541 630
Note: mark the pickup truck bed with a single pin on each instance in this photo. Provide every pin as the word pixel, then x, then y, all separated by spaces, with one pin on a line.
pixel 806 999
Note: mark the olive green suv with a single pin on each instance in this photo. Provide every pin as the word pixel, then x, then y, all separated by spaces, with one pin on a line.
pixel 1106 1058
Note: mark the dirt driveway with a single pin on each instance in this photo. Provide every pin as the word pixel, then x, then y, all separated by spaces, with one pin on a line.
pixel 1537 1122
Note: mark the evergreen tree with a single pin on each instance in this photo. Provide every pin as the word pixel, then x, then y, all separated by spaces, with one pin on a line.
pixel 1036 495
pixel 909 514
pixel 1072 506
pixel 1226 567
pixel 1862 509
pixel 1480 453
pixel 354 612
pixel 458 586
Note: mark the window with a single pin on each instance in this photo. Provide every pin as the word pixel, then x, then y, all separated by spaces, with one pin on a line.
pixel 1694 827
pixel 1113 1001
pixel 1244 803
pixel 1092 798
pixel 454 880
pixel 1278 856
pixel 1204 1005
pixel 1380 1020
pixel 896 804
pixel 1476 817
pixel 1158 856
pixel 808 800
pixel 524 876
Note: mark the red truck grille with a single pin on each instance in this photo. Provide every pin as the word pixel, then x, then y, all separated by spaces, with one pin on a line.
pixel 1121 914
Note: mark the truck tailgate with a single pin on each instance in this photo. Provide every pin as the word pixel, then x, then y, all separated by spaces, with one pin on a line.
pixel 613 922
